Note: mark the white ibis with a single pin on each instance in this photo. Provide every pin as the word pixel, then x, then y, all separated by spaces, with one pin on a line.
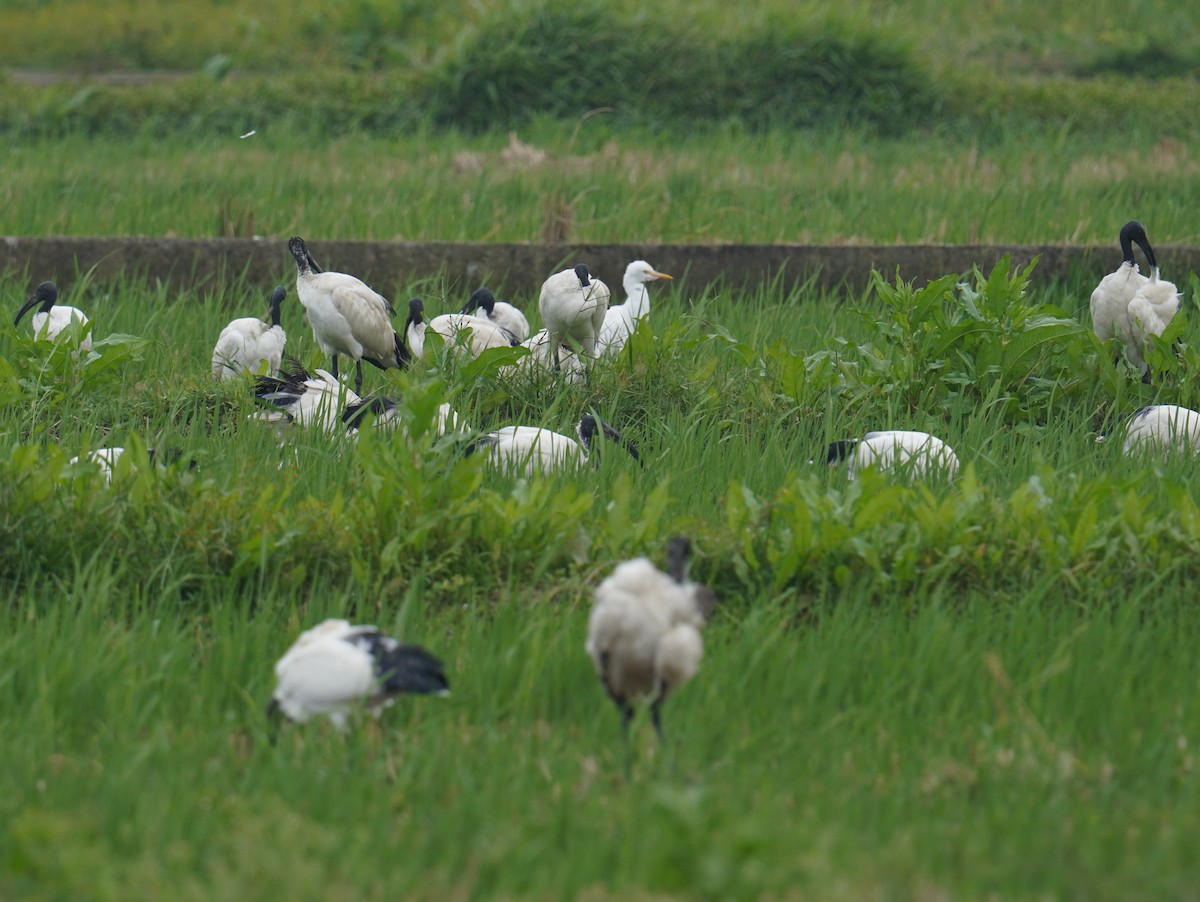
pixel 51 319
pixel 105 460
pixel 484 305
pixel 1164 428
pixel 914 454
pixel 572 304
pixel 1127 305
pixel 294 396
pixel 346 315
pixel 644 631
pixel 469 335
pixel 336 668
pixel 621 320
pixel 248 345
pixel 539 360
pixel 533 450
pixel 323 402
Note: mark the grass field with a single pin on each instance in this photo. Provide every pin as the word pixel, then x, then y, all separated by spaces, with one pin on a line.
pixel 982 686
pixel 978 687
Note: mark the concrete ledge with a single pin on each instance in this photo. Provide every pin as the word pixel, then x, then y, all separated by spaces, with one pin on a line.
pixel 519 269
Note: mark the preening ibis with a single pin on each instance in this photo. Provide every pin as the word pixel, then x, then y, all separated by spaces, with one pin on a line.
pixel 249 345
pixel 620 321
pixel 335 668
pixel 1129 306
pixel 484 305
pixel 51 319
pixel 915 454
pixel 534 450
pixel 644 631
pixel 346 315
pixel 573 304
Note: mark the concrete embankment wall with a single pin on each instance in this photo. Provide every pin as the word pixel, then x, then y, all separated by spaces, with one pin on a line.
pixel 519 269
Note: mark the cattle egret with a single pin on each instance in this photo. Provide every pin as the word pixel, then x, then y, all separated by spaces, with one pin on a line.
pixel 644 631
pixel 621 320
pixel 469 335
pixel 535 450
pixel 346 315
pixel 573 304
pixel 915 454
pixel 248 345
pixel 51 320
pixel 484 305
pixel 335 668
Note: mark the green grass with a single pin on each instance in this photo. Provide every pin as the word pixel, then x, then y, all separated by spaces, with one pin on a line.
pixel 600 184
pixel 974 687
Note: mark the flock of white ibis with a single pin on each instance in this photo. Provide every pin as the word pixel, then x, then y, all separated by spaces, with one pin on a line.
pixel 644 629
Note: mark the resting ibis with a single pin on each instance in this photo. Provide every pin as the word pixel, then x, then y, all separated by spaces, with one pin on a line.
pixel 248 345
pixel 573 304
pixel 533 449
pixel 51 319
pixel 644 631
pixel 620 321
pixel 539 361
pixel 319 400
pixel 470 335
pixel 915 454
pixel 346 315
pixel 1164 428
pixel 336 668
pixel 484 305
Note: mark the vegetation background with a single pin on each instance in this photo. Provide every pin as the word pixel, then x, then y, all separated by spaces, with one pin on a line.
pixel 984 686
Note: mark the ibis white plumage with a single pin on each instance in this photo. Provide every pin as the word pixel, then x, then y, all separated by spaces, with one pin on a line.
pixel 469 335
pixel 52 319
pixel 347 316
pixel 621 320
pixel 336 668
pixel 1127 305
pixel 322 402
pixel 313 401
pixel 572 304
pixel 105 460
pixel 539 360
pixel 535 450
pixel 484 305
pixel 249 345
pixel 1163 428
pixel 644 631
pixel 913 454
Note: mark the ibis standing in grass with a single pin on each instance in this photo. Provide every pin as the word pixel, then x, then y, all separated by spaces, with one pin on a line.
pixel 914 454
pixel 644 631
pixel 346 315
pixel 249 345
pixel 471 335
pixel 535 450
pixel 1127 305
pixel 572 304
pixel 51 319
pixel 620 321
pixel 336 668
pixel 483 304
